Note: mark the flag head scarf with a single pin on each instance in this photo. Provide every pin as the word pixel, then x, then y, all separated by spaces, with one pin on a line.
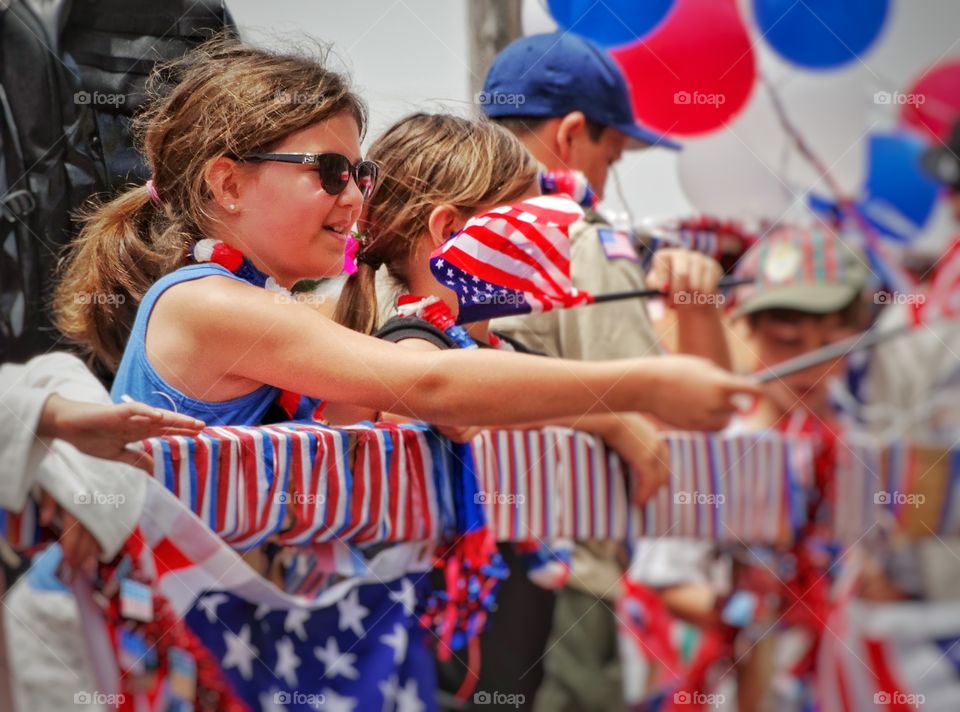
pixel 510 260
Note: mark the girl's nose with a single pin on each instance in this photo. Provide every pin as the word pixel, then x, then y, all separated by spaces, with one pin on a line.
pixel 351 196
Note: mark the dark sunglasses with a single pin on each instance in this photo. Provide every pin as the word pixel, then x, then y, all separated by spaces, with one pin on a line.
pixel 335 169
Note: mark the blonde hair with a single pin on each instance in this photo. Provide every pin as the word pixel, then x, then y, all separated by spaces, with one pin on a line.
pixel 427 160
pixel 223 98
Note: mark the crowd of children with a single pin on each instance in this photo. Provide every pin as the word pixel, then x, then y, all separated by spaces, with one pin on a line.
pixel 251 193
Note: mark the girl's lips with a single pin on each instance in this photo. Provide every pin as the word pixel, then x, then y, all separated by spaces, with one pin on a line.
pixel 339 235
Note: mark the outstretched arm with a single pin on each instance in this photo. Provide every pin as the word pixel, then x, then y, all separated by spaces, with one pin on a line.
pixel 246 334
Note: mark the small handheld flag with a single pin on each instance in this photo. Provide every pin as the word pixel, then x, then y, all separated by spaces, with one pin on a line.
pixel 516 260
pixel 511 260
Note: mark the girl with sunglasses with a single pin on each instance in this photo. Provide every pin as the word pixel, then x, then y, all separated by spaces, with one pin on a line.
pixel 257 183
pixel 253 191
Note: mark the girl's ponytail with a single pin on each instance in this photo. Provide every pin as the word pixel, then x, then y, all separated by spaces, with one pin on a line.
pixel 125 245
pixel 357 304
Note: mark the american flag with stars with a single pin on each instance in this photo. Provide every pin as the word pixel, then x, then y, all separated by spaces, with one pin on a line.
pixel 513 259
pixel 357 645
pixel 366 652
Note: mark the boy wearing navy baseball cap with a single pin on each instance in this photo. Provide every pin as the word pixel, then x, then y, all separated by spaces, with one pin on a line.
pixel 570 99
pixel 568 102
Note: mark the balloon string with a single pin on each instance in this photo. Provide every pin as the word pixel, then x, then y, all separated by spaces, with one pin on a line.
pixel 844 203
pixel 818 165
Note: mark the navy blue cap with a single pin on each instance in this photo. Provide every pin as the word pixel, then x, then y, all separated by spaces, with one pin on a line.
pixel 557 73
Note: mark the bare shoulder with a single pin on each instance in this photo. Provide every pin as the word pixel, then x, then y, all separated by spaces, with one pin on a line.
pixel 217 305
pixel 201 295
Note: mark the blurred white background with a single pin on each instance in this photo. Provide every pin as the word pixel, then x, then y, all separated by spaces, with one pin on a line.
pixel 408 55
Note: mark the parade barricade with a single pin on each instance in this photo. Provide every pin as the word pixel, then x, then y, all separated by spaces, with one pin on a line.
pixel 304 483
pixel 384 483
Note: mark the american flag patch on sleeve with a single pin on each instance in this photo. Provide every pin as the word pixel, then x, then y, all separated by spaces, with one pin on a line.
pixel 618 244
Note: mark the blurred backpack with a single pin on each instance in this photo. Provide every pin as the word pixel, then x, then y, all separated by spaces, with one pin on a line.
pixel 72 74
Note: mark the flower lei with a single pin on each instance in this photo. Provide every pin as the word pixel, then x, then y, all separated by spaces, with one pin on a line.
pixel 572 183
pixel 220 253
pixel 435 312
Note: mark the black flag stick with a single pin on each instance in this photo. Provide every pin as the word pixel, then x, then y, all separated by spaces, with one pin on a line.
pixel 858 342
pixel 608 297
pixel 641 293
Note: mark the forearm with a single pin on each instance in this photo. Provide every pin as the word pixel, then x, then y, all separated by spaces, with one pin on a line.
pixel 513 389
pixel 464 387
pixel 298 350
pixel 700 332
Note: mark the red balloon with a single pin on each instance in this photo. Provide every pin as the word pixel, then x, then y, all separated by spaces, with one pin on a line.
pixel 933 102
pixel 694 72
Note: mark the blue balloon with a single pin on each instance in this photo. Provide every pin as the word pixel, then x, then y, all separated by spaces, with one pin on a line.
pixel 610 22
pixel 899 196
pixel 820 34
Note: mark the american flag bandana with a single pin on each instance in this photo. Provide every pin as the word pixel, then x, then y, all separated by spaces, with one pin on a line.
pixel 512 260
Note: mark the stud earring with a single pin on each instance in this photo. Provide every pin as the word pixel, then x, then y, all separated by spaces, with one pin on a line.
pixel 233 207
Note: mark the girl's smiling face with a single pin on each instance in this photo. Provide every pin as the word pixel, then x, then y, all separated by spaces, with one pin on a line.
pixel 283 220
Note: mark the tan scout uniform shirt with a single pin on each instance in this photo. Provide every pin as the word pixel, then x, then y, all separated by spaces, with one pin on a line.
pixel 592 333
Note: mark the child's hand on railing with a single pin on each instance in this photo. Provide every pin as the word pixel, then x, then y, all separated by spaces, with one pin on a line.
pixel 106 430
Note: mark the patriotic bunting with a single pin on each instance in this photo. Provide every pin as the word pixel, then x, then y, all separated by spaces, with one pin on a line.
pixel 328 489
pixel 913 486
pixel 295 482
pixel 560 483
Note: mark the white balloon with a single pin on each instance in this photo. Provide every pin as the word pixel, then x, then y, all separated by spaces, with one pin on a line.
pixel 721 177
pixel 915 36
pixel 834 113
pixel 738 172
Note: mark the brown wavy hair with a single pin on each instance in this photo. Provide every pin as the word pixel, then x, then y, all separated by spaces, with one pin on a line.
pixel 428 160
pixel 222 98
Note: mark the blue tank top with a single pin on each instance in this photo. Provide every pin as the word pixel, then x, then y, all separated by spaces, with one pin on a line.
pixel 137 378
